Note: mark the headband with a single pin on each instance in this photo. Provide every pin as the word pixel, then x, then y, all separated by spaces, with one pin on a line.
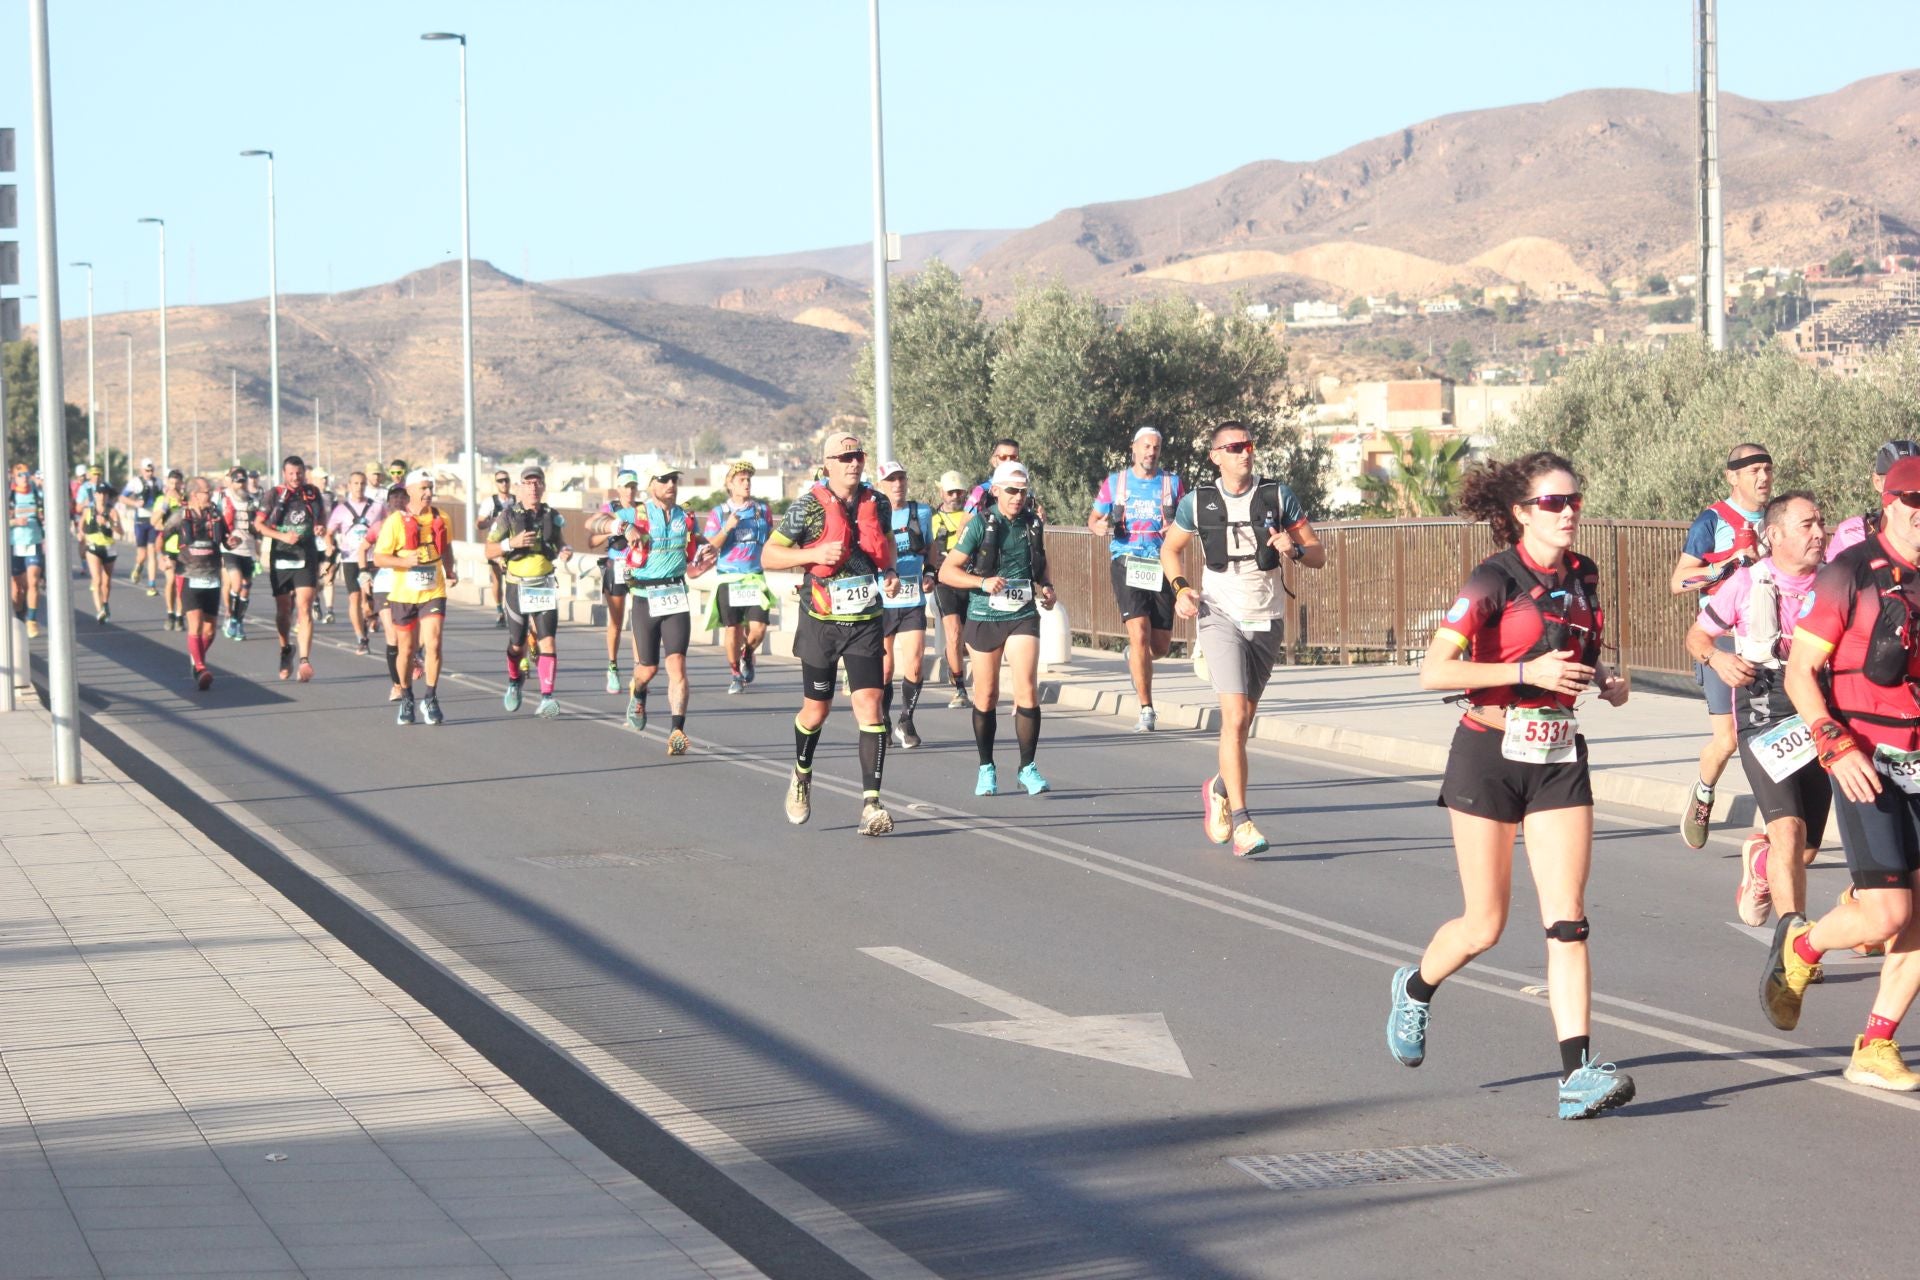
pixel 1741 464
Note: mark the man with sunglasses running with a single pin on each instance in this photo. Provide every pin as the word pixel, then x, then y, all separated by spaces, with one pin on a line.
pixel 485 515
pixel 1245 525
pixel 840 533
pixel 1722 538
pixel 1132 511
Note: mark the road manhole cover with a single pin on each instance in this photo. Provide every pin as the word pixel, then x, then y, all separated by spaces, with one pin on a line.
pixel 619 861
pixel 1322 1170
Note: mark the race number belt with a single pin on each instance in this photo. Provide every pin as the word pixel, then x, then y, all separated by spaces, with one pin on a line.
pixel 1017 594
pixel 539 595
pixel 667 600
pixel 853 595
pixel 423 579
pixel 1143 574
pixel 748 591
pixel 1540 735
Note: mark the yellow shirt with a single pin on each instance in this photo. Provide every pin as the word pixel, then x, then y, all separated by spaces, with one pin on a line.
pixel 422 582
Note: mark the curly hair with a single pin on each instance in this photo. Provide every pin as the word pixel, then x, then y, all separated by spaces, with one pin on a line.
pixel 1490 491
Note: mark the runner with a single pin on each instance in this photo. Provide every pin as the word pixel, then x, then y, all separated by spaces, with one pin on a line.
pixel 329 555
pixel 198 532
pixel 1245 524
pixel 486 515
pixel 1004 451
pixel 1523 641
pixel 527 538
pixel 351 528
pixel 1132 511
pixel 417 545
pixel 166 547
pixel 138 497
pixel 26 532
pixel 903 616
pixel 613 571
pixel 1001 558
pixel 1859 623
pixel 294 519
pixel 99 529
pixel 241 508
pixel 737 530
pixel 837 534
pixel 948 521
pixel 1723 536
pixel 1857 529
pixel 83 501
pixel 378 589
pixel 1758 605
pixel 659 538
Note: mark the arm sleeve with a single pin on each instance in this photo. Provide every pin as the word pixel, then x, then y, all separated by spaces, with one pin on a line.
pixel 1183 516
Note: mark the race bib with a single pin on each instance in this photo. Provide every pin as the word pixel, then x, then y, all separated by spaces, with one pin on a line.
pixel 1143 574
pixel 1253 626
pixel 27 550
pixel 1016 595
pixel 665 602
pixel 297 563
pixel 539 595
pixel 746 595
pixel 1902 767
pixel 908 596
pixel 382 582
pixel 424 579
pixel 617 566
pixel 1784 749
pixel 853 595
pixel 204 584
pixel 1540 735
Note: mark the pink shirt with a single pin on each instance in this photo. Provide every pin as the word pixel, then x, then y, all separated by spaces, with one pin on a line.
pixel 1728 609
pixel 1852 532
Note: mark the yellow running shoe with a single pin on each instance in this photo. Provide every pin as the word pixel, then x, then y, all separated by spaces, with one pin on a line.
pixel 677 743
pixel 1877 1065
pixel 1788 976
pixel 874 819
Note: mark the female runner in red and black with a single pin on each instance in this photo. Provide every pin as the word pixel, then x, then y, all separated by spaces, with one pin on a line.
pixel 1523 641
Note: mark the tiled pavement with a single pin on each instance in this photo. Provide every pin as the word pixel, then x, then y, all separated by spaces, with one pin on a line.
pixel 195 1079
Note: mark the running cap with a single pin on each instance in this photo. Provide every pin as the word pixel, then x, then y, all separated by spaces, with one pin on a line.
pixel 95 470
pixel 238 473
pixel 1891 452
pixel 1902 477
pixel 740 468
pixel 890 468
pixel 80 469
pixel 952 482
pixel 628 477
pixel 145 463
pixel 671 474
pixel 1009 473
pixel 1144 432
pixel 419 475
pixel 533 472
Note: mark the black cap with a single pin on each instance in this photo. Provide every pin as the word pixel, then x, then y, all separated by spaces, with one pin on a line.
pixel 1891 452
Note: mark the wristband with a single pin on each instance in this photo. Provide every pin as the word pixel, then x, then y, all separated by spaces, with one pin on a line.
pixel 1831 741
pixel 1179 585
pixel 1520 673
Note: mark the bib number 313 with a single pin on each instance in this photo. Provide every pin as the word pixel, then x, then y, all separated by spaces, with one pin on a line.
pixel 1540 735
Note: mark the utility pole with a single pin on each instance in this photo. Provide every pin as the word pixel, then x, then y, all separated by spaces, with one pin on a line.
pixel 1713 261
pixel 235 377
pixel 882 339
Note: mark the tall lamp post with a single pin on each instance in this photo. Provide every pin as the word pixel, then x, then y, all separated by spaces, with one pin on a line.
pixel 166 422
pixel 273 316
pixel 882 341
pixel 466 291
pixel 93 443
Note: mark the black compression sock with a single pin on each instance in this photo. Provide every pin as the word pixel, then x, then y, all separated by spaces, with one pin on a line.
pixel 873 759
pixel 804 741
pixel 886 702
pixel 1026 727
pixel 1573 1054
pixel 1418 988
pixel 679 721
pixel 393 663
pixel 984 724
pixel 909 698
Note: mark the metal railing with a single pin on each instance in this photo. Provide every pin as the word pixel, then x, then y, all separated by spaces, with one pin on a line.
pixel 1387 584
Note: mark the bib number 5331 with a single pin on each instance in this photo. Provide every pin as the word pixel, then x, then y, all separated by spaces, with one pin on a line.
pixel 1540 735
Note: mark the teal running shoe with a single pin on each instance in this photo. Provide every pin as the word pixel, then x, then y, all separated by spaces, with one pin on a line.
pixel 1406 1022
pixel 1029 777
pixel 636 714
pixel 549 708
pixel 1594 1088
pixel 613 677
pixel 988 781
pixel 511 701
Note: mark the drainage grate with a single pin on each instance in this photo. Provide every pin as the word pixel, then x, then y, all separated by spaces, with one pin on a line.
pixel 618 861
pixel 1321 1170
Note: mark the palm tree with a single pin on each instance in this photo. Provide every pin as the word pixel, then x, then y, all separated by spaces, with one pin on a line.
pixel 1421 477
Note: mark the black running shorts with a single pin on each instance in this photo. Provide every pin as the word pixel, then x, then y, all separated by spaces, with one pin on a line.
pixel 1481 781
pixel 821 645
pixel 1882 839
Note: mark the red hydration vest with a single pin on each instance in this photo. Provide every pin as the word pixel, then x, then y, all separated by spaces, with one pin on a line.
pixel 436 527
pixel 859 528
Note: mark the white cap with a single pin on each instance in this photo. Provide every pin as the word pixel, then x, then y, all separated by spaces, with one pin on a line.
pixel 419 475
pixel 1009 473
pixel 1144 432
pixel 891 467
pixel 146 462
pixel 80 469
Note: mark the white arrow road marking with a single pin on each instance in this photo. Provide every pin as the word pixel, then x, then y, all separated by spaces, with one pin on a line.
pixel 1763 934
pixel 1130 1039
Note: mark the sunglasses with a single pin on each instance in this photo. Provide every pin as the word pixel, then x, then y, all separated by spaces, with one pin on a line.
pixel 1236 446
pixel 501 479
pixel 1018 493
pixel 1908 498
pixel 858 455
pixel 1553 503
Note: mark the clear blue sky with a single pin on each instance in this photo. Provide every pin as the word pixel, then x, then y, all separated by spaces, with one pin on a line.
pixel 619 135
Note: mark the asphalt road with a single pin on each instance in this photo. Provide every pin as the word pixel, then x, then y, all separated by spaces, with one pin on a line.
pixel 797 990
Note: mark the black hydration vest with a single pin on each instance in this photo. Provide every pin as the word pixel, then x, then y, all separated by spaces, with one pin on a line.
pixel 1523 583
pixel 1892 639
pixel 543 523
pixel 986 557
pixel 1264 518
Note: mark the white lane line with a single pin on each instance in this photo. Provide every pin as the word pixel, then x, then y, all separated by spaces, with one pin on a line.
pixel 1129 1039
pixel 1190 889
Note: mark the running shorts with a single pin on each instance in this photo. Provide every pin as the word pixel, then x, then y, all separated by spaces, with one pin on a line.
pixel 1481 781
pixel 1155 606
pixel 821 645
pixel 985 635
pixel 1882 839
pixel 1239 661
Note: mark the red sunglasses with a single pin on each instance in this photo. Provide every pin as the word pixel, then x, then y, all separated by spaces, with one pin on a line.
pixel 1554 503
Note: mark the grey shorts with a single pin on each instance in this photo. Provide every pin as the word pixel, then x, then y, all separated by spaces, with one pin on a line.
pixel 1238 661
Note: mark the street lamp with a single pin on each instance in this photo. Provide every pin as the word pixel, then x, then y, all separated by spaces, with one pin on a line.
pixel 273 315
pixel 466 290
pixel 166 423
pixel 882 344
pixel 92 441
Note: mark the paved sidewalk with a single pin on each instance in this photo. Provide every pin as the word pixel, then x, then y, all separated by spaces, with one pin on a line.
pixel 196 1079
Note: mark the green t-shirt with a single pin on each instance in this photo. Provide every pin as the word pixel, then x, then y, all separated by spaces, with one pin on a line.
pixel 1016 565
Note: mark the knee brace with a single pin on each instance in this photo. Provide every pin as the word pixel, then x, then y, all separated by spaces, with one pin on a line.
pixel 1568 930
